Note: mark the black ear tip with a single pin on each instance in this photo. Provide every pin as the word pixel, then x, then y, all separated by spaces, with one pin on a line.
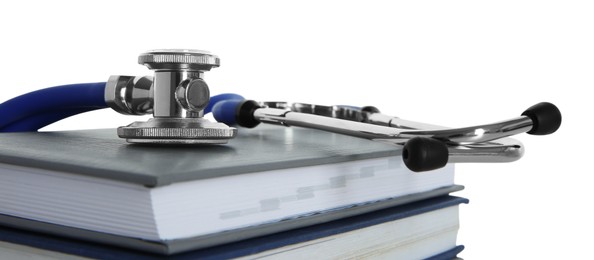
pixel 245 114
pixel 546 118
pixel 424 154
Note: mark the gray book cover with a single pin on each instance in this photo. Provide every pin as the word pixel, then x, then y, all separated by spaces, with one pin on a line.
pixel 100 153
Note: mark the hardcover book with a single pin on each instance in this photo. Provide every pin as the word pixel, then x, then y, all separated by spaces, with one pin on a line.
pixel 92 185
pixel 425 229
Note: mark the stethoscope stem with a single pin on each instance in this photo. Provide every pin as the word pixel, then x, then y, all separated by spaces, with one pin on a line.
pixel 473 134
pixel 289 118
pixel 476 134
pixel 504 150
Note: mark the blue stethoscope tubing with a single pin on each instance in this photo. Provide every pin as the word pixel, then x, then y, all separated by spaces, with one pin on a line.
pixel 35 110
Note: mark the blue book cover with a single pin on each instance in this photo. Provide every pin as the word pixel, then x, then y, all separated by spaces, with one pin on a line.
pixel 245 247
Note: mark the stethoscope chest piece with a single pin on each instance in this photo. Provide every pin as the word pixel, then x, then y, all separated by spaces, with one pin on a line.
pixel 176 96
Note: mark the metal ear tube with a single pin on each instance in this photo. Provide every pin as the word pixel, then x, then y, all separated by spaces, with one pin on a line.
pixel 423 149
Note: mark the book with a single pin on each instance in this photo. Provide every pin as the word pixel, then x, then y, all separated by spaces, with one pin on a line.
pixel 425 229
pixel 92 185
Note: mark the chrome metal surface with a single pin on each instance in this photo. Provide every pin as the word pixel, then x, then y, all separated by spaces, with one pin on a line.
pixel 375 123
pixel 469 144
pixel 476 134
pixel 290 118
pixel 172 68
pixel 179 59
pixel 352 114
pixel 503 150
pixel 391 121
pixel 176 96
pixel 276 104
pixel 177 131
pixel 166 84
pixel 193 94
pixel 129 95
pixel 341 112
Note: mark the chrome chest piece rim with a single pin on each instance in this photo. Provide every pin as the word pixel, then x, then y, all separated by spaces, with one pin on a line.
pixel 176 96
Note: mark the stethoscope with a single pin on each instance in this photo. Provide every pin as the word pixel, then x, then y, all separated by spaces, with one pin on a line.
pixel 178 98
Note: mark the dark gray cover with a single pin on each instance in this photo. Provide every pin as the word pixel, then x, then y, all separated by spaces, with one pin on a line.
pixel 101 153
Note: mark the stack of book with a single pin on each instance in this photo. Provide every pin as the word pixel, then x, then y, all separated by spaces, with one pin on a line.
pixel 273 192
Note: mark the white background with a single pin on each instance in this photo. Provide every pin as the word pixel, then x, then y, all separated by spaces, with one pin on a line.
pixel 450 63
